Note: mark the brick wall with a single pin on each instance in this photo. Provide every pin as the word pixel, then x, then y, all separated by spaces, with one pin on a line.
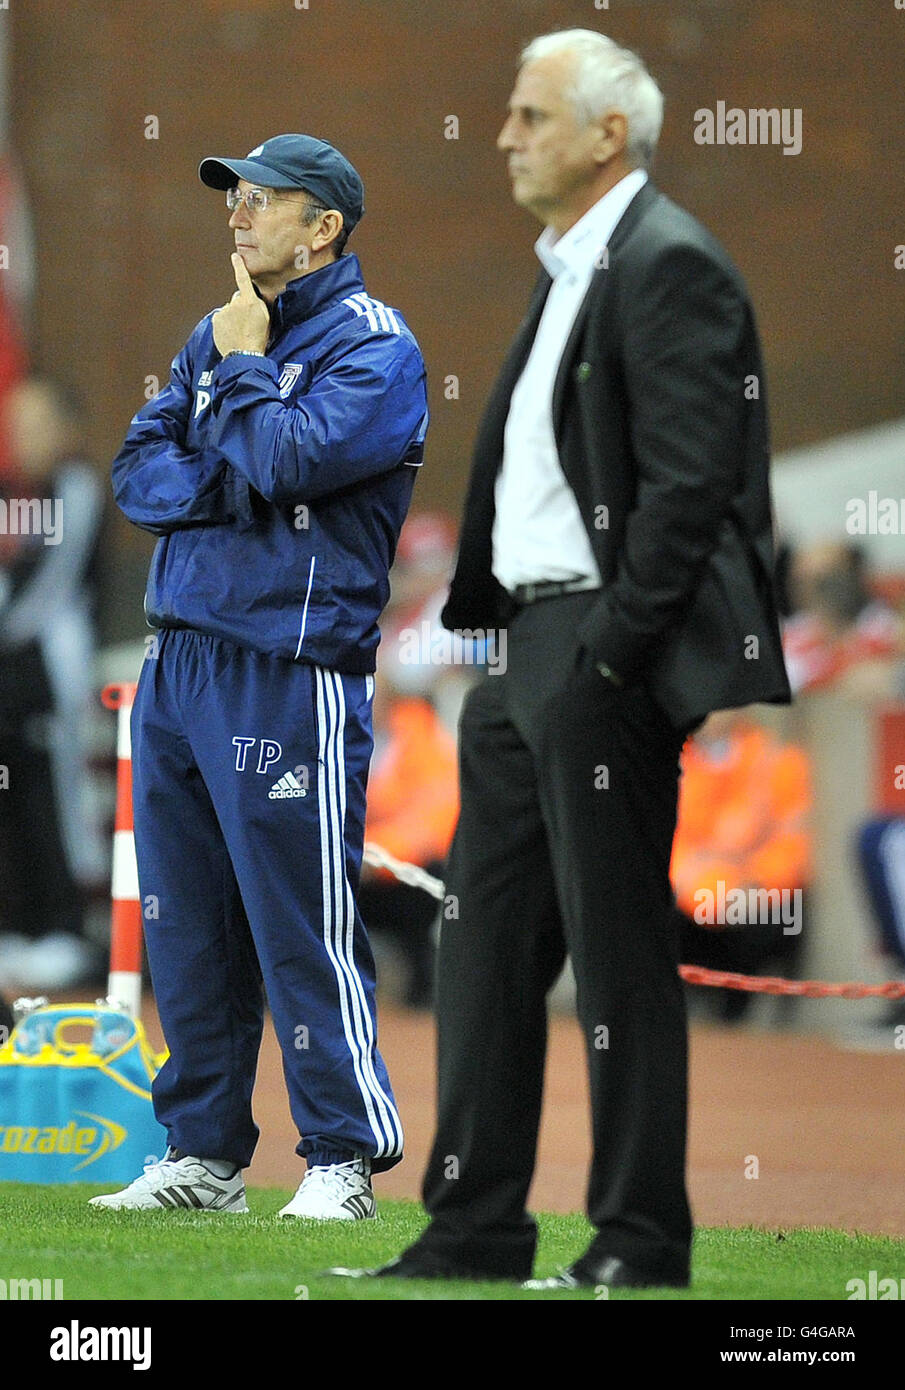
pixel 132 250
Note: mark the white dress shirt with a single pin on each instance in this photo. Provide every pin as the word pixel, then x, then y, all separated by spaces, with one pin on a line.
pixel 538 533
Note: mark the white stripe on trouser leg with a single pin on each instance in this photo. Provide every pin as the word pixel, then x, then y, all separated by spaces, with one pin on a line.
pixel 327 827
pixel 344 924
pixel 388 1111
pixel 386 1129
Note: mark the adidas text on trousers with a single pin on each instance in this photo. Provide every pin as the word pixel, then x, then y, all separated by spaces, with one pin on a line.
pixel 249 778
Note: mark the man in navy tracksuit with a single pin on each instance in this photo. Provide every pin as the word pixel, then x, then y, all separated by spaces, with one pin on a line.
pixel 276 468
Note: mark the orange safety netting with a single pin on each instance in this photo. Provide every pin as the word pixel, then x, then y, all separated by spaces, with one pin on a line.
pixel 773 984
pixel 692 974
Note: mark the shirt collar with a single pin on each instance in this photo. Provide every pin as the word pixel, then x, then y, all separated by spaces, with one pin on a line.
pixel 578 248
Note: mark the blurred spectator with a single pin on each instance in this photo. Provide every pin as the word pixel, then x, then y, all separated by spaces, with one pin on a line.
pixel 417 653
pixel 16 289
pixel 837 626
pixel 7 1020
pixel 843 636
pixel 881 856
pixel 743 822
pixel 50 846
pixel 412 811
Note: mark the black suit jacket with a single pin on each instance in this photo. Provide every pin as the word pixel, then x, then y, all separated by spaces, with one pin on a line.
pixel 660 420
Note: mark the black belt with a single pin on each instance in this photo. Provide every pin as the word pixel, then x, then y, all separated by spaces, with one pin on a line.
pixel 530 593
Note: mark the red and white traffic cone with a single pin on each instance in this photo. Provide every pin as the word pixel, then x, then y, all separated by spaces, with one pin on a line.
pixel 124 979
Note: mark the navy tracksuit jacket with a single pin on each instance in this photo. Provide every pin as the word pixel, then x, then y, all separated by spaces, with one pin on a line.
pixel 278 487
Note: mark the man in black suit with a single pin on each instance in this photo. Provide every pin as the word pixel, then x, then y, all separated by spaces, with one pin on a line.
pixel 618 524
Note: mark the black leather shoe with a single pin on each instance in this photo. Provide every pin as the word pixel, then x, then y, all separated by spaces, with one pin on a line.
pixel 591 1271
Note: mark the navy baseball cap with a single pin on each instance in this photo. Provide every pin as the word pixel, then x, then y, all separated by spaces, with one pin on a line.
pixel 294 161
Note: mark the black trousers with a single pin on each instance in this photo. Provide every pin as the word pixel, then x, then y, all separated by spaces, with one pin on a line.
pixel 568 810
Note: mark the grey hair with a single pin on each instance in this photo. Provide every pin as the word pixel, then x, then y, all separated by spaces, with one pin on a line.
pixel 607 78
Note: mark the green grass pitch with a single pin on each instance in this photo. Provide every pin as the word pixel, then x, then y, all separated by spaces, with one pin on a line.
pixel 51 1233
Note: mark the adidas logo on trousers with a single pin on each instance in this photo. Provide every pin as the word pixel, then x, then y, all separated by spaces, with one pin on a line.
pixel 288 785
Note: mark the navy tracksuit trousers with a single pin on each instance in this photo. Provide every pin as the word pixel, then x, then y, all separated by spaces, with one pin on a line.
pixel 249 779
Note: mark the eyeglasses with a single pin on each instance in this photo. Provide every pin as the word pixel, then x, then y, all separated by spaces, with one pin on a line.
pixel 257 199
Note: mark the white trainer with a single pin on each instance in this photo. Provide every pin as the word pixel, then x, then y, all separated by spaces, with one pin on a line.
pixel 178 1183
pixel 335 1192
